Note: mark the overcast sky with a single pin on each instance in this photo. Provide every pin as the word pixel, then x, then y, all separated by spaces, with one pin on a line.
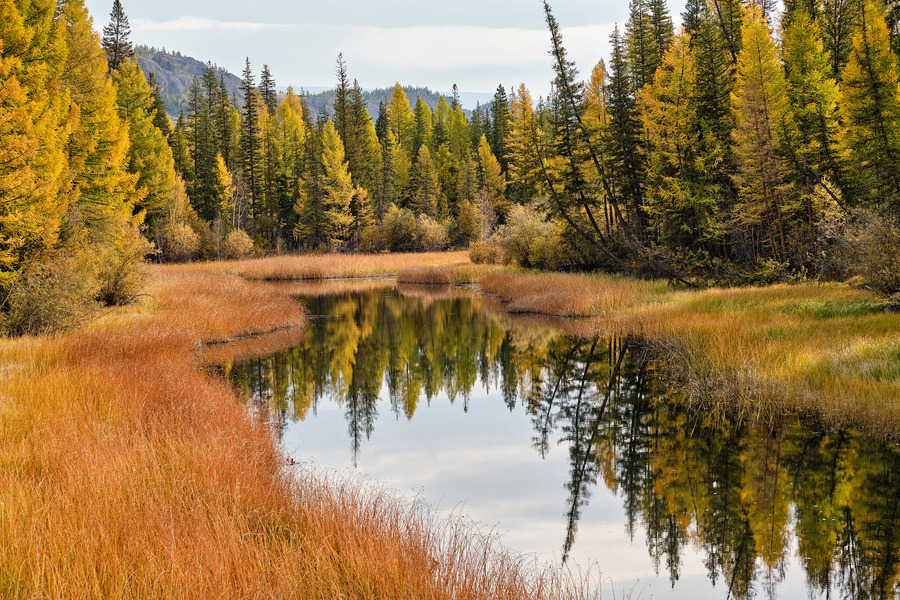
pixel 476 44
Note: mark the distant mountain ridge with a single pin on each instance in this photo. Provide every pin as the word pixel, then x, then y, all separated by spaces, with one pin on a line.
pixel 175 72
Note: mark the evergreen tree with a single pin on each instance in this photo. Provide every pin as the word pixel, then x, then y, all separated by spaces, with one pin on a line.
pixel 660 26
pixel 500 125
pixel 425 184
pixel 160 117
pixel 424 126
pixel 344 118
pixel 116 34
pixel 625 136
pixel 401 119
pixel 441 120
pixel 642 53
pixel 838 23
pixel 760 105
pixel 337 188
pixel 250 139
pixel 267 90
pixel 179 144
pixel 479 124
pixel 870 105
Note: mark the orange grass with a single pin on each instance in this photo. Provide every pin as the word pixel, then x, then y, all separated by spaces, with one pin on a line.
pixel 336 266
pixel 127 472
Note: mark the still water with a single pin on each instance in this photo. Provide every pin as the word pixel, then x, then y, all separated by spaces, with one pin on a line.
pixel 573 449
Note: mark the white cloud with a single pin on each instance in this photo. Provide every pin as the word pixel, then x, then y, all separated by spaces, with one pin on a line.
pixel 189 23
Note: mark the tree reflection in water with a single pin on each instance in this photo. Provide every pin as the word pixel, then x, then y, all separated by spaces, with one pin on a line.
pixel 743 495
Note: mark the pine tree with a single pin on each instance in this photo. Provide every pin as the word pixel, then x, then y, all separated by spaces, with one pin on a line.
pixel 344 119
pixel 149 155
pixel 116 34
pixel 660 26
pixel 838 23
pixel 760 105
pixel 311 229
pixel 401 119
pixel 643 54
pixel 267 90
pixel 425 184
pixel 337 188
pixel 626 147
pixel 500 125
pixel 160 117
pixel 870 106
pixel 424 126
pixel 250 139
pixel 34 126
pixel 441 119
pixel 522 148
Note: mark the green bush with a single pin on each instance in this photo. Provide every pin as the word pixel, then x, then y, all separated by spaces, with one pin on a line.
pixel 486 252
pixel 53 293
pixel 121 270
pixel 530 241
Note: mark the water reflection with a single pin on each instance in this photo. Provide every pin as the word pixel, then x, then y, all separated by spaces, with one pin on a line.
pixel 747 499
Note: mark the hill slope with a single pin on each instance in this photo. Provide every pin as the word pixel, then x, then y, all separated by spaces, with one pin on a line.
pixel 174 71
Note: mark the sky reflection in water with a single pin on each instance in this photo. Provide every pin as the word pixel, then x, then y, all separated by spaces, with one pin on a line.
pixel 572 448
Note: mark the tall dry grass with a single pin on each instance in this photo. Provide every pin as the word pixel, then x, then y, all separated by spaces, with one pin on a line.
pixel 128 472
pixel 336 266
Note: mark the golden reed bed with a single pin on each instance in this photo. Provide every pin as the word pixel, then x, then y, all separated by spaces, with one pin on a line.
pixel 128 472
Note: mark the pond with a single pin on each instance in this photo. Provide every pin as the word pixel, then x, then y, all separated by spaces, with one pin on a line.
pixel 575 450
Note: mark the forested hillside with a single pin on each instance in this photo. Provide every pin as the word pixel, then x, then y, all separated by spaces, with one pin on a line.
pixel 749 146
pixel 175 72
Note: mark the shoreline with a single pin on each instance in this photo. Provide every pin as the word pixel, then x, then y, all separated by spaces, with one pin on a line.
pixel 129 471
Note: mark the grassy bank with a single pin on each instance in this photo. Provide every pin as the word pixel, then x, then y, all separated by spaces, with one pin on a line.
pixel 128 472
pixel 829 349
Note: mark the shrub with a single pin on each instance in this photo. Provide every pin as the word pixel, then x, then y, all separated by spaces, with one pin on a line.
pixel 178 242
pixel 876 251
pixel 53 293
pixel 431 235
pixel 530 241
pixel 400 231
pixel 238 244
pixel 121 272
pixel 486 252
pixel 468 223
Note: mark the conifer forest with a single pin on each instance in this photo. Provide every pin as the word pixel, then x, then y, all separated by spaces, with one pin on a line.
pixel 750 145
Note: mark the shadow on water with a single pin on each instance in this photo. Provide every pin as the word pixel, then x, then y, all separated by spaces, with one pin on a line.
pixel 745 498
